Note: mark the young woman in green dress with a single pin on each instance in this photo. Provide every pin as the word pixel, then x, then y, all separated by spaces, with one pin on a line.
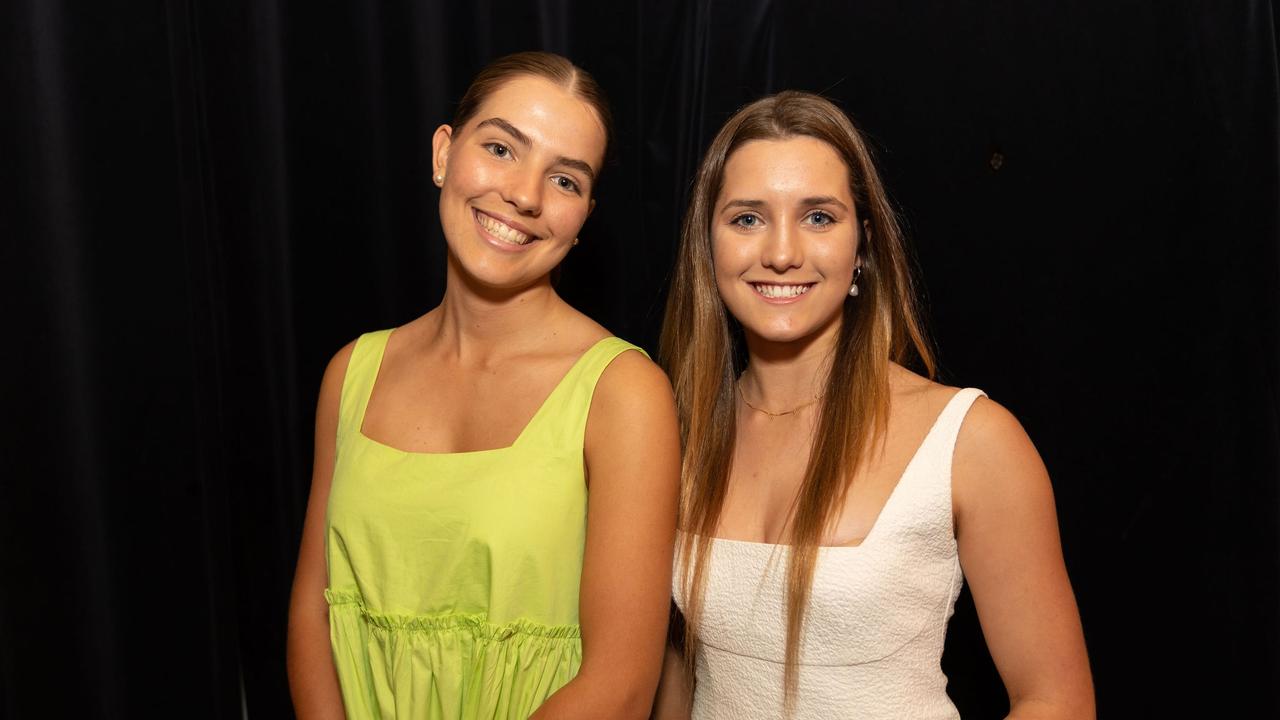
pixel 490 527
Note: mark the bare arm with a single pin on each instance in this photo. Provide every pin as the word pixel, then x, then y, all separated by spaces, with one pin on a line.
pixel 633 462
pixel 313 683
pixel 1007 530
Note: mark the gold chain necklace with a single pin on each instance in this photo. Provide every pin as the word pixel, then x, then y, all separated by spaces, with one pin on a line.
pixel 774 414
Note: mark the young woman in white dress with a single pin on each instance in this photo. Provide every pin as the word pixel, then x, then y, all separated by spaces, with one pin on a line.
pixel 835 501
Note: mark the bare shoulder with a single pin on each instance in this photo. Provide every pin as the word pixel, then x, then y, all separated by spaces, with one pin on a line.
pixel 991 436
pixel 337 367
pixel 995 469
pixel 632 383
pixel 334 374
pixel 988 431
pixel 328 407
pixel 993 455
pixel 632 438
pixel 633 408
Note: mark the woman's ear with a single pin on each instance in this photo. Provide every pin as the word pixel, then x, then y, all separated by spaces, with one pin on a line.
pixel 440 143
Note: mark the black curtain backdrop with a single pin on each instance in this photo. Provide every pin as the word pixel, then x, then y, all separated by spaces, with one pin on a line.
pixel 204 199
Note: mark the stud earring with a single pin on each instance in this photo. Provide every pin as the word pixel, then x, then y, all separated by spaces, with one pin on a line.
pixel 440 179
pixel 575 242
pixel 853 289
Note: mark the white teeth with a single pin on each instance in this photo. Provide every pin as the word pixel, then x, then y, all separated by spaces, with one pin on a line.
pixel 502 231
pixel 780 291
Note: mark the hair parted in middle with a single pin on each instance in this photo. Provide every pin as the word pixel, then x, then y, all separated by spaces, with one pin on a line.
pixel 703 355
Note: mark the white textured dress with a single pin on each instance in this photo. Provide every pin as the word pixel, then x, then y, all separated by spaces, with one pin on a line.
pixel 872 639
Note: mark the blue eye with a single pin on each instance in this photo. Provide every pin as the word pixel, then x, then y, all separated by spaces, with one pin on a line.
pixel 821 219
pixel 746 220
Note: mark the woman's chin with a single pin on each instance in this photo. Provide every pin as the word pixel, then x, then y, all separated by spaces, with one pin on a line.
pixel 780 335
pixel 790 333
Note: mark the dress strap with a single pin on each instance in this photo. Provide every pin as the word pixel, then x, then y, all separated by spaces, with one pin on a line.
pixel 923 493
pixel 929 473
pixel 947 427
pixel 562 419
pixel 357 384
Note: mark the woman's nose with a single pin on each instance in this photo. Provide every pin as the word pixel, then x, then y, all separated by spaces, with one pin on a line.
pixel 782 249
pixel 525 192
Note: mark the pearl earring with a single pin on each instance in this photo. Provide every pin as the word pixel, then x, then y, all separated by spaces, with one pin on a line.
pixel 440 179
pixel 853 289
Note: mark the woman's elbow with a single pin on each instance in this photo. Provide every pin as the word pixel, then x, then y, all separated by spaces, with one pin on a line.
pixel 637 704
pixel 1067 707
pixel 629 696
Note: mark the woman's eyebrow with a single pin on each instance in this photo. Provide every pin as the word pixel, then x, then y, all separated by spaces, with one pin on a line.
pixel 580 165
pixel 743 203
pixel 823 200
pixel 508 128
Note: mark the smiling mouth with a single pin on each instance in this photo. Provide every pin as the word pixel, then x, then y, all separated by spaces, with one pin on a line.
pixel 501 230
pixel 774 291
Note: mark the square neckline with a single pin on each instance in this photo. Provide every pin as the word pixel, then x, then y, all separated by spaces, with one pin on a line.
pixel 875 524
pixel 382 353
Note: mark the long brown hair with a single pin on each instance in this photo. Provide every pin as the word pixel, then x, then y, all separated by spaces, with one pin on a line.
pixel 703 356
pixel 545 65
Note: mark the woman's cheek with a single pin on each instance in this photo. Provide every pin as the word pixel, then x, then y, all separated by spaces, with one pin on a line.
pixel 472 178
pixel 568 220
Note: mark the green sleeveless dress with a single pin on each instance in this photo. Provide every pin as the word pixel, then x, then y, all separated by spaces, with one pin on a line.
pixel 453 577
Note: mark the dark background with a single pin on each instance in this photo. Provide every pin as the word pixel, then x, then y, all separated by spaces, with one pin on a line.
pixel 204 199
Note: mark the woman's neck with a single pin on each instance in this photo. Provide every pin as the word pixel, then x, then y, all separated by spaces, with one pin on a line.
pixel 481 324
pixel 780 376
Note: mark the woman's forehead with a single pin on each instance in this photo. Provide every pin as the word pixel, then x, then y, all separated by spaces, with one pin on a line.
pixel 547 115
pixel 785 166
